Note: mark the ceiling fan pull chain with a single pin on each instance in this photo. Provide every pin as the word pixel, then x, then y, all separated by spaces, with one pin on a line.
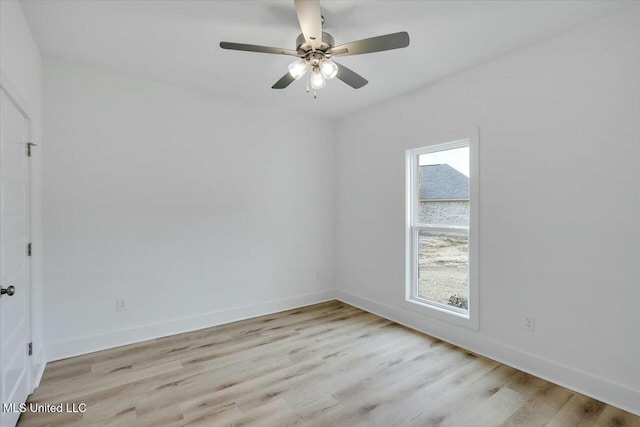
pixel 315 95
pixel 308 81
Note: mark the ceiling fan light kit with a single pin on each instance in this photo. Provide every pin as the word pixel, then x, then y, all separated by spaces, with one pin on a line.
pixel 315 48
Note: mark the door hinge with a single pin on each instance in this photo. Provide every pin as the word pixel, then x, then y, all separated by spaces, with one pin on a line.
pixel 30 348
pixel 28 249
pixel 29 145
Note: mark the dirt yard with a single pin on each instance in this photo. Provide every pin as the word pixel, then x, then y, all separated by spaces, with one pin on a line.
pixel 442 267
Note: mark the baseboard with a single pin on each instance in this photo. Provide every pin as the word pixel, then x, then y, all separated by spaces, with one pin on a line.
pixel 119 338
pixel 617 395
pixel 598 388
pixel 38 369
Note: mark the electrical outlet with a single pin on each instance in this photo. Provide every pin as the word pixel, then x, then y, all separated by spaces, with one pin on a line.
pixel 121 304
pixel 529 323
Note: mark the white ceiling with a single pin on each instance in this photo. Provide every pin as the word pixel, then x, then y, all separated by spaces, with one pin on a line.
pixel 178 41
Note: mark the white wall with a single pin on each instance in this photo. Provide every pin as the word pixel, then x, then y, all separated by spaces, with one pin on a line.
pixel 559 205
pixel 197 210
pixel 20 71
pixel 201 210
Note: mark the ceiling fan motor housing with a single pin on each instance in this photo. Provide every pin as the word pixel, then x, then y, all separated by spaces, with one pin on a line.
pixel 304 48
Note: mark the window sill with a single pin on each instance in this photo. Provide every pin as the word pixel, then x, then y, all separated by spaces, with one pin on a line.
pixel 467 320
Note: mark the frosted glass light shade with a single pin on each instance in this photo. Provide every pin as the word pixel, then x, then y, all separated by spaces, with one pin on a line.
pixel 317 80
pixel 328 68
pixel 297 69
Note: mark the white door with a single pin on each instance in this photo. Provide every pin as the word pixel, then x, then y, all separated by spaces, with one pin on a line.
pixel 14 265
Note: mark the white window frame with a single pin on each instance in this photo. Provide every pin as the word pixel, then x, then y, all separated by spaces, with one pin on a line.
pixel 467 318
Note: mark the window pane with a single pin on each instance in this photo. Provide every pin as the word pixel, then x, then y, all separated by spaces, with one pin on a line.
pixel 443 194
pixel 443 267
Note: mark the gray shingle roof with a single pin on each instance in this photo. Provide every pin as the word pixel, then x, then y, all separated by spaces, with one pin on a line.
pixel 439 182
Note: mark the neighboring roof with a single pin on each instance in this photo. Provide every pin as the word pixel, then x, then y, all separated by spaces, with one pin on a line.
pixel 442 182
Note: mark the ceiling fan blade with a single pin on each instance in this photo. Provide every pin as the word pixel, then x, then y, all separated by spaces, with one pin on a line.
pixel 284 81
pixel 257 48
pixel 374 44
pixel 351 78
pixel 310 19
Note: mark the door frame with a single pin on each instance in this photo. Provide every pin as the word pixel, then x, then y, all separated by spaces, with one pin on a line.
pixel 22 106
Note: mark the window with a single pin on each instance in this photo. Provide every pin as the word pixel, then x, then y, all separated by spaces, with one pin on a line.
pixel 441 237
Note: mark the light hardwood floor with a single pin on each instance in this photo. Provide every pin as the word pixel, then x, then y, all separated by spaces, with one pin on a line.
pixel 325 365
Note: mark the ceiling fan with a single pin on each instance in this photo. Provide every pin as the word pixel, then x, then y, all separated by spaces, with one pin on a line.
pixel 315 50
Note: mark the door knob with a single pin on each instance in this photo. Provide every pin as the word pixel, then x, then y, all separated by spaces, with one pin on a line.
pixel 10 290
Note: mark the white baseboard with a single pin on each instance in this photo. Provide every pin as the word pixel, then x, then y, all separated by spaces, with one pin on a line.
pixel 94 343
pixel 598 388
pixel 617 395
pixel 38 369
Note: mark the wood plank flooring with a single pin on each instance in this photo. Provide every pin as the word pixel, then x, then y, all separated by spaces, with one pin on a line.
pixel 324 365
